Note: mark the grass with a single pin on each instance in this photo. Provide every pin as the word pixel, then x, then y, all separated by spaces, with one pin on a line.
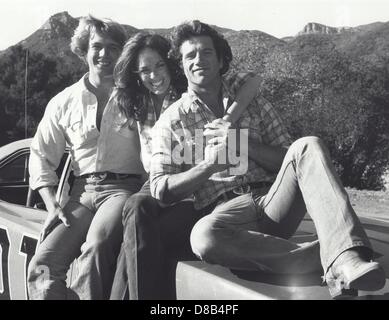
pixel 370 203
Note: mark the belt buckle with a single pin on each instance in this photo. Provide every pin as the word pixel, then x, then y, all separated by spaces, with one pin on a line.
pixel 242 189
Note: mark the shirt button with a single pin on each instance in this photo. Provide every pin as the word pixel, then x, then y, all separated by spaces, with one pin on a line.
pixel 92 126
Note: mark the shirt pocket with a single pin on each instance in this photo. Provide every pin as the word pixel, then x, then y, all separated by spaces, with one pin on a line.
pixel 76 132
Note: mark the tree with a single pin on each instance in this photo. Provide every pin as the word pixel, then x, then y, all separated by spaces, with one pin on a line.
pixel 45 79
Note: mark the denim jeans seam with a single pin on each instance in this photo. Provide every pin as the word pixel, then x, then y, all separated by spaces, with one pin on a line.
pixel 279 184
pixel 354 243
pixel 135 284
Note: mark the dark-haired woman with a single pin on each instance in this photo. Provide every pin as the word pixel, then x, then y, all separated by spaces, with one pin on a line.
pixel 147 82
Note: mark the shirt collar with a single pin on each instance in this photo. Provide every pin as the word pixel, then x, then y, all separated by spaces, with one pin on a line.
pixel 192 100
pixel 82 83
pixel 84 89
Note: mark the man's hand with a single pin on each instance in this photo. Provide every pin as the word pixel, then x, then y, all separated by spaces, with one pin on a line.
pixel 55 215
pixel 216 150
pixel 218 127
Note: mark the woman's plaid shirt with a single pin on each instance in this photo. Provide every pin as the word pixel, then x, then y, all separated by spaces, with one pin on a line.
pixel 144 128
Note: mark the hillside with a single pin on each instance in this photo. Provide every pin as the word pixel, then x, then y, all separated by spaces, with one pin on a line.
pixel 325 81
pixel 250 47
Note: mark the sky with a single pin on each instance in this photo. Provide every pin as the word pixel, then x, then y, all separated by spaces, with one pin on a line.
pixel 279 18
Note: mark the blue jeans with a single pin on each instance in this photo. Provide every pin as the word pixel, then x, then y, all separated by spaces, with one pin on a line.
pixel 154 239
pixel 250 232
pixel 94 211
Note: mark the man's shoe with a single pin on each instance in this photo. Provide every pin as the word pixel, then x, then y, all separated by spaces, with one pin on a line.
pixel 350 274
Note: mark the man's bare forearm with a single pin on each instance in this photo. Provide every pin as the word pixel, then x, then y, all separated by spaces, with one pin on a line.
pixel 181 185
pixel 48 197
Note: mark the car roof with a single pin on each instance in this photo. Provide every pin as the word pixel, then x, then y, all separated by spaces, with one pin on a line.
pixel 14 146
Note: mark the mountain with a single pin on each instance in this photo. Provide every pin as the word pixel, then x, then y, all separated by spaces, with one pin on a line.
pixel 325 81
pixel 53 39
pixel 55 34
pixel 250 47
pixel 317 28
pixel 367 42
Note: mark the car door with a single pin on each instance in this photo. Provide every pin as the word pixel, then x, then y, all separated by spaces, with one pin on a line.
pixel 20 226
pixel 14 177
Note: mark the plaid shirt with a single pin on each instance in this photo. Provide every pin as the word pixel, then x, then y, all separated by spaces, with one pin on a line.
pixel 144 128
pixel 176 129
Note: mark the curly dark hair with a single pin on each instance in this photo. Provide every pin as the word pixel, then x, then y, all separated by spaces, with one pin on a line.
pixel 195 28
pixel 130 94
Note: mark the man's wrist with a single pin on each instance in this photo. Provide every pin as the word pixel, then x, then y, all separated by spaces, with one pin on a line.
pixel 207 167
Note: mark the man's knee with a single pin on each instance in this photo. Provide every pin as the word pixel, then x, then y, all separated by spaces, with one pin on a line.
pixel 204 240
pixel 308 144
pixel 97 245
pixel 139 205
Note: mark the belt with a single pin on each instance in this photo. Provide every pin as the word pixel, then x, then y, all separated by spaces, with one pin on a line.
pixel 109 175
pixel 238 191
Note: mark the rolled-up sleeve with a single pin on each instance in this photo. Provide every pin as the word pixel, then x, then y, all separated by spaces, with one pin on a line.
pixel 235 81
pixel 164 144
pixel 47 148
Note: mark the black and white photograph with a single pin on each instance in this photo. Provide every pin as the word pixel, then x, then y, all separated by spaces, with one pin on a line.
pixel 191 150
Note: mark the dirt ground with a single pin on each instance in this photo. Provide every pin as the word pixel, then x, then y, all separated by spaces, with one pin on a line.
pixel 370 203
